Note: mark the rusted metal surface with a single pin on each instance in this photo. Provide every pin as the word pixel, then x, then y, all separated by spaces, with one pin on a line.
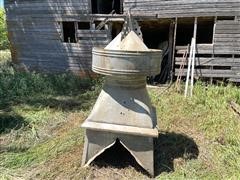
pixel 123 109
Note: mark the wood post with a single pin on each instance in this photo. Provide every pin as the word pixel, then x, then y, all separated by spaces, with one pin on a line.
pixel 173 49
pixel 170 52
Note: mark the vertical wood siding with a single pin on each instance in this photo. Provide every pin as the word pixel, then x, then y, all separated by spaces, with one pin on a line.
pixel 36 35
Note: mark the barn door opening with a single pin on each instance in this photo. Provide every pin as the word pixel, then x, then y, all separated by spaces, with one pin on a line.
pixel 156 35
pixel 107 6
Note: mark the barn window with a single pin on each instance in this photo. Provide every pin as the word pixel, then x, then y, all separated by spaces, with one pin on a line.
pixel 107 6
pixel 205 31
pixel 185 29
pixel 225 18
pixel 84 25
pixel 69 32
pixel 83 31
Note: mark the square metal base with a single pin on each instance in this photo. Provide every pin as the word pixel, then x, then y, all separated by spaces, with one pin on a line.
pixel 140 147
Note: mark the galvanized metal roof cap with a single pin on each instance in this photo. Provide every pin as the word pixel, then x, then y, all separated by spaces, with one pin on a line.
pixel 128 56
pixel 130 43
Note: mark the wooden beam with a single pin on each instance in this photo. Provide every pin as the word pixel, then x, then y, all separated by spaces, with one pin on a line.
pixel 174 48
pixel 170 52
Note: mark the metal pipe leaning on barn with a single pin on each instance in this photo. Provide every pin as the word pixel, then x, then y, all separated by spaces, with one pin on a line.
pixel 123 109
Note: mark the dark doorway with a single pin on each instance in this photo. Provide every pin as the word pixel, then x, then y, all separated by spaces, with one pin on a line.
pixel 69 32
pixel 107 6
pixel 116 28
pixel 156 36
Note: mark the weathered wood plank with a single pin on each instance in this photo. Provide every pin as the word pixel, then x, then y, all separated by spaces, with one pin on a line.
pixel 183 8
pixel 200 49
pixel 217 73
pixel 215 61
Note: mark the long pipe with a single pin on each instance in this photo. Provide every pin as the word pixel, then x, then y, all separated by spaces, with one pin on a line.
pixel 189 67
pixel 194 54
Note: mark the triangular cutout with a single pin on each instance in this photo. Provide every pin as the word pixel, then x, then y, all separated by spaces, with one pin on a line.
pixel 117 156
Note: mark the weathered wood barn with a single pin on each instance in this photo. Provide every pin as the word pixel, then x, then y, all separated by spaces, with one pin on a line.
pixel 58 35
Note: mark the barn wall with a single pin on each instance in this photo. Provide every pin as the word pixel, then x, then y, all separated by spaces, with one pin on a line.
pixel 183 8
pixel 35 33
pixel 227 37
pixel 220 59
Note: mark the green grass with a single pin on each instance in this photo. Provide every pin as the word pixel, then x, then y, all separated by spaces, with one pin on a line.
pixel 33 107
pixel 208 118
pixel 44 151
pixel 40 134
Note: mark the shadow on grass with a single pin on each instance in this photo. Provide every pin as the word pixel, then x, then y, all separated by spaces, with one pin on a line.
pixel 168 146
pixel 10 121
pixel 81 101
pixel 57 91
pixel 63 104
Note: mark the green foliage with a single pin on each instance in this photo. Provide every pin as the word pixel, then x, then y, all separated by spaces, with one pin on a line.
pixel 17 86
pixel 4 43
